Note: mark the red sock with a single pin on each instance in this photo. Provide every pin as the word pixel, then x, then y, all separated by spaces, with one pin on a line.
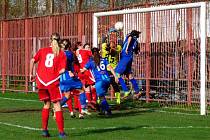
pixel 69 103
pixel 45 118
pixel 76 102
pixel 94 96
pixel 59 121
pixel 88 96
pixel 79 106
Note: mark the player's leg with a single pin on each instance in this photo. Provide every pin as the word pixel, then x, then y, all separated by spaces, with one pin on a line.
pixel 90 81
pixel 94 95
pixel 134 83
pixel 76 107
pixel 132 80
pixel 135 86
pixel 65 87
pixel 65 98
pixel 68 84
pixel 44 96
pixel 59 118
pixel 121 69
pixel 55 96
pixel 116 89
pixel 81 116
pixel 88 94
pixel 83 102
pixel 101 90
pixel 70 106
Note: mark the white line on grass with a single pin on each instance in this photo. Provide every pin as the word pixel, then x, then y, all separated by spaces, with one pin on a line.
pixel 180 113
pixel 107 128
pixel 13 99
pixel 19 126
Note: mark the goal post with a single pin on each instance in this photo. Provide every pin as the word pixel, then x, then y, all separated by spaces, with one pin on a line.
pixel 202 36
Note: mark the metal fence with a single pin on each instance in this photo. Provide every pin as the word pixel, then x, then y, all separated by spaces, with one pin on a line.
pixel 21 38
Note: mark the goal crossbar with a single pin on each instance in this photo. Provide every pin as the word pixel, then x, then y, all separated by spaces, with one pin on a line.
pixel 201 5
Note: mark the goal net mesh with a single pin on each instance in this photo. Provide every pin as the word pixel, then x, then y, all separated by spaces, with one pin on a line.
pixel 168 63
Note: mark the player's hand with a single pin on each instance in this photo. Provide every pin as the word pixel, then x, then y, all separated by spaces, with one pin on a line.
pixel 71 74
pixel 116 79
pixel 31 78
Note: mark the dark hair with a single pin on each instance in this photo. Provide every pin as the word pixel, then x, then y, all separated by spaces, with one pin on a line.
pixel 74 48
pixel 76 61
pixel 108 47
pixel 96 56
pixel 137 49
pixel 55 36
pixel 66 43
pixel 86 45
pixel 135 33
pixel 78 43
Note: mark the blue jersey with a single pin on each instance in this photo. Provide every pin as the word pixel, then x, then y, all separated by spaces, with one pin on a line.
pixel 100 72
pixel 132 46
pixel 70 59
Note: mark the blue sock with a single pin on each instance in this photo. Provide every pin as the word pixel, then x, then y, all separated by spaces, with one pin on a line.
pixel 122 83
pixel 105 105
pixel 64 100
pixel 83 98
pixel 135 85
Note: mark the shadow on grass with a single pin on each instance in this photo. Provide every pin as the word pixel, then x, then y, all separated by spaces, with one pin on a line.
pixel 125 113
pixel 18 110
pixel 107 129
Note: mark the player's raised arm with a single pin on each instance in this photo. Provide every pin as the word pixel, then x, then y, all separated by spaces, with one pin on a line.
pixel 32 62
pixel 129 40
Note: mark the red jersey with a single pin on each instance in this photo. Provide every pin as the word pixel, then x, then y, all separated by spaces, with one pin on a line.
pixel 49 66
pixel 83 56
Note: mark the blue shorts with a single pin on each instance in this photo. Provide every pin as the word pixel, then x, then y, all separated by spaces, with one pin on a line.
pixel 124 65
pixel 68 83
pixel 102 87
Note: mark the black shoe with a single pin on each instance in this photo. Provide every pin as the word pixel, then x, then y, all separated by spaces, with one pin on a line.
pixel 109 112
pixel 72 114
pixel 101 113
pixel 45 133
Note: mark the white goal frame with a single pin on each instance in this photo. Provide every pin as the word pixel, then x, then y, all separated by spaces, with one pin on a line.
pixel 202 6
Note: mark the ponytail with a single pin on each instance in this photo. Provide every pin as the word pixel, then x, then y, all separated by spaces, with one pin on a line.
pixel 55 47
pixel 55 38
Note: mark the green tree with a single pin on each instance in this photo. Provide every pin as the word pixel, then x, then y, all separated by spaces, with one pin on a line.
pixel 1 9
pixel 16 8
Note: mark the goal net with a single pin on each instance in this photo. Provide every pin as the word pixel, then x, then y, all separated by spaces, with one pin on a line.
pixel 171 64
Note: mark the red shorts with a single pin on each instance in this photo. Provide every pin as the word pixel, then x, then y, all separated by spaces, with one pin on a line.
pixel 86 78
pixel 51 93
pixel 75 92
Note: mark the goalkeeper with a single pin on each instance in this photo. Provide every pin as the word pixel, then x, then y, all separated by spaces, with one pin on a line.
pixel 111 52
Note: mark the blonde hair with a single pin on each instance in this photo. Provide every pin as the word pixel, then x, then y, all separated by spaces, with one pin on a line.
pixel 55 38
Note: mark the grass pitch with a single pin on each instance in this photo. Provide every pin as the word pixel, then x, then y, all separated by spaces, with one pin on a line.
pixel 20 119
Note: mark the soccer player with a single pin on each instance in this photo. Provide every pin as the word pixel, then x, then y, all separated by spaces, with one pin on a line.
pixel 99 66
pixel 51 63
pixel 130 45
pixel 69 80
pixel 111 52
pixel 84 54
